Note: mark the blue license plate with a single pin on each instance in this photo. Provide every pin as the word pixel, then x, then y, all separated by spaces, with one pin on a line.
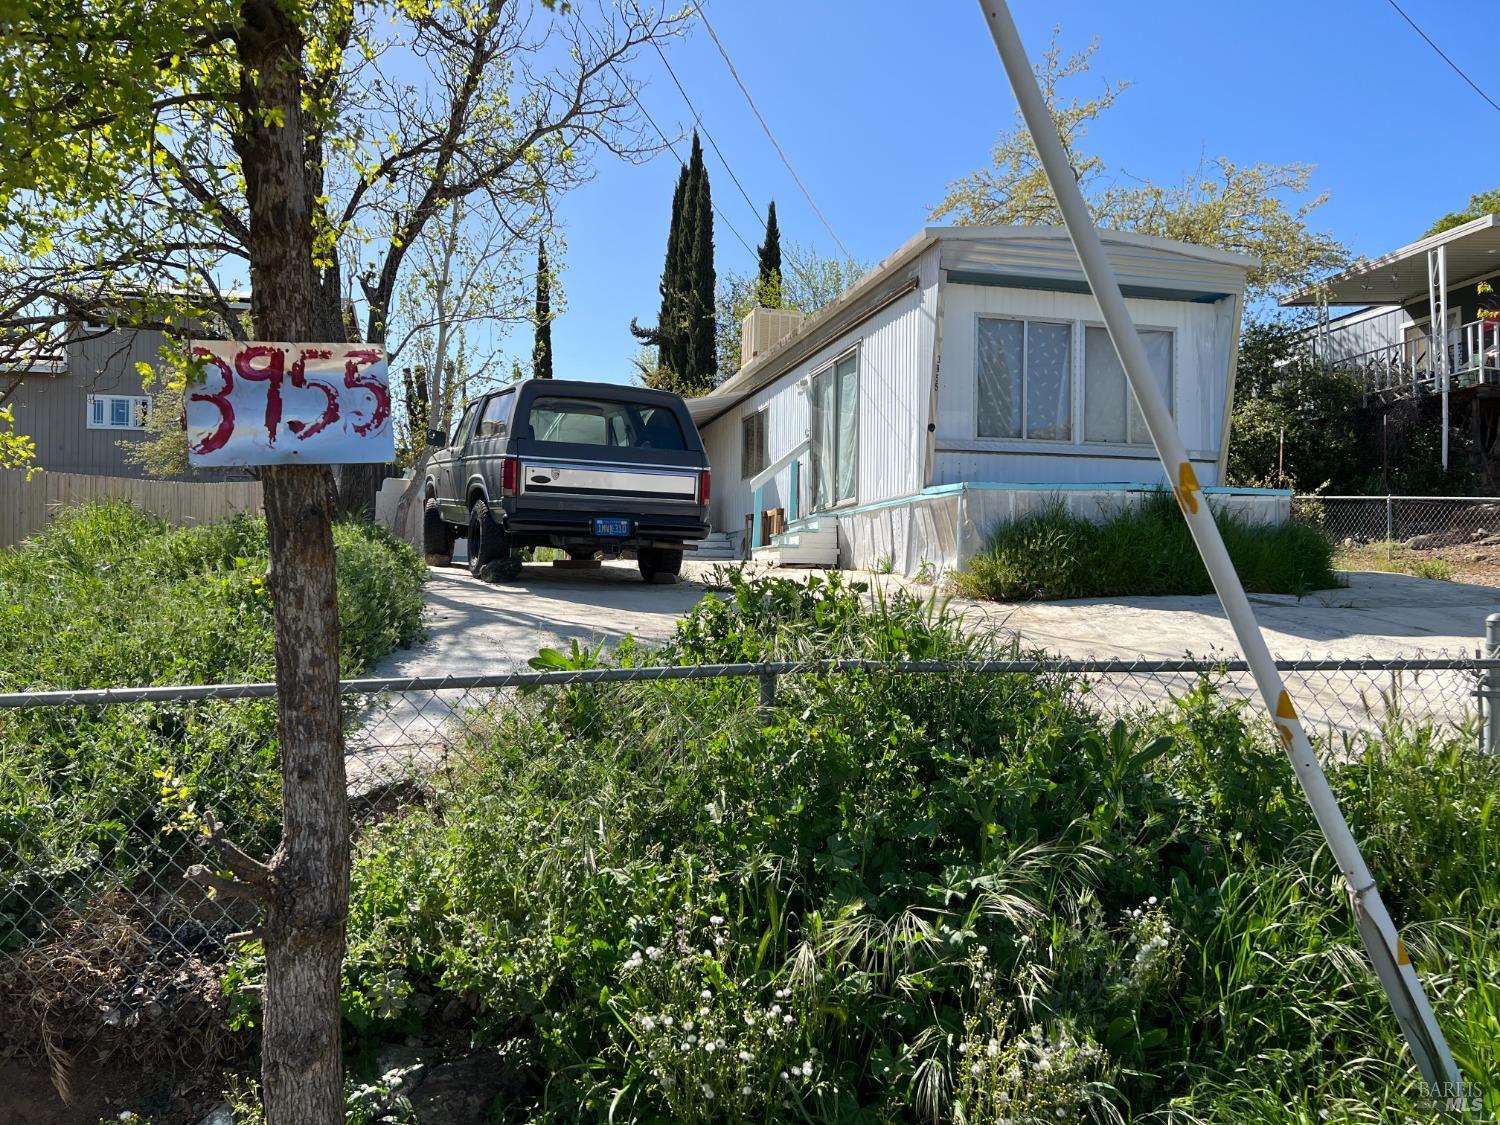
pixel 614 527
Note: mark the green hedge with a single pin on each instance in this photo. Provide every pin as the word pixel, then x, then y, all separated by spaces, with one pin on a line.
pixel 108 596
pixel 1142 552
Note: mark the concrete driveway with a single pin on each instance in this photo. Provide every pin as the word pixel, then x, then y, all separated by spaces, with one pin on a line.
pixel 475 628
pixel 1376 615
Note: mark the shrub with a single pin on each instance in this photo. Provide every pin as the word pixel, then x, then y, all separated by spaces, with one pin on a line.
pixel 108 596
pixel 918 897
pixel 1143 552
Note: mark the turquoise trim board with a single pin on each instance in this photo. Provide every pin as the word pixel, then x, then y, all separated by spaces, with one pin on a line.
pixel 937 491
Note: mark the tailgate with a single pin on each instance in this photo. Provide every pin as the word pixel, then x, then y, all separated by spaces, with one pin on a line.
pixel 543 476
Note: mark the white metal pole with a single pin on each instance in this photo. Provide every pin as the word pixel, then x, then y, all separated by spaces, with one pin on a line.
pixel 1386 950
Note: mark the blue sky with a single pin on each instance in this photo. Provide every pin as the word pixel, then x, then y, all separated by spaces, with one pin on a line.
pixel 881 103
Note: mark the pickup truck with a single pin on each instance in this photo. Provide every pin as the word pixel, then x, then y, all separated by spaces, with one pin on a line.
pixel 591 468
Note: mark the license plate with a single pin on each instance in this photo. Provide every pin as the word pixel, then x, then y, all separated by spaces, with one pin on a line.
pixel 612 526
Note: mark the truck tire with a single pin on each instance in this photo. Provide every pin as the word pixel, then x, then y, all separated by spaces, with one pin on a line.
pixel 487 543
pixel 437 536
pixel 660 565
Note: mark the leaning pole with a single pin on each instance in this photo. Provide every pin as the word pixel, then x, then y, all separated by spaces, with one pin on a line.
pixel 1383 943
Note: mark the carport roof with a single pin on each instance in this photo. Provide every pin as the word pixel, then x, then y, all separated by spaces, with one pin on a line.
pixel 1400 277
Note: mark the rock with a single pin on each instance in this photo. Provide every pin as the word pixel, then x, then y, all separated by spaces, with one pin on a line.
pixel 402 1068
pixel 1421 542
pixel 1347 543
pixel 221 1114
pixel 461 1091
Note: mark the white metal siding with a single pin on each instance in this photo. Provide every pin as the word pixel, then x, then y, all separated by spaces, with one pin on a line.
pixel 895 372
pixel 1203 335
pixel 1364 332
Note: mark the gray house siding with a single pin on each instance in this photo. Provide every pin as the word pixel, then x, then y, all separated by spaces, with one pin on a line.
pixel 53 409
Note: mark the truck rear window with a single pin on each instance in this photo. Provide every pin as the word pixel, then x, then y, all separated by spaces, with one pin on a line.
pixel 594 421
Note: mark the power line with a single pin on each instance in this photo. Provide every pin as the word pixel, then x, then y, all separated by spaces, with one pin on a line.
pixel 698 118
pixel 636 97
pixel 1456 68
pixel 772 137
pixel 719 211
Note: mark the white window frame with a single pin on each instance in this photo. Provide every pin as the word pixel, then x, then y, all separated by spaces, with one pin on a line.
pixel 99 412
pixel 1076 444
pixel 1075 371
pixel 1083 343
pixel 827 368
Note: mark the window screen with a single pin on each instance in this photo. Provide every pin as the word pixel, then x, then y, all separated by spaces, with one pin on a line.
pixel 754 456
pixel 1110 413
pixel 1025 379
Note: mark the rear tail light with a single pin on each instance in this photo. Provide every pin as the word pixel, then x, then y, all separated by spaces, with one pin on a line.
pixel 510 476
pixel 704 486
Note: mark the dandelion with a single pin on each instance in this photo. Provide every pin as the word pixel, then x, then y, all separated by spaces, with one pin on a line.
pixel 786 1019
pixel 710 1047
pixel 648 1023
pixel 703 1011
pixel 746 1056
pixel 744 1091
pixel 716 920
pixel 708 1091
pixel 653 953
pixel 785 1077
pixel 666 1021
pixel 692 1038
pixel 976 1068
pixel 807 1067
pixel 706 994
pixel 776 1009
pixel 992 1048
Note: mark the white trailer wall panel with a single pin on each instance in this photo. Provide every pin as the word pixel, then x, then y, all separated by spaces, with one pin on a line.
pixel 1203 335
pixel 895 348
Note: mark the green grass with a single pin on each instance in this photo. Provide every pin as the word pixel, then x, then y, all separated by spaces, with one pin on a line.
pixel 952 898
pixel 107 597
pixel 1142 552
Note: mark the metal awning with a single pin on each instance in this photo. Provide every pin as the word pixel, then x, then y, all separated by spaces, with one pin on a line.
pixel 1400 277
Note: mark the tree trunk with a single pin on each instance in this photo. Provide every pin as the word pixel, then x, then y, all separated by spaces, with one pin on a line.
pixel 307 898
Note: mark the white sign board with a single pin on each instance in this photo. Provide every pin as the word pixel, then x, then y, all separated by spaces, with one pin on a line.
pixel 262 403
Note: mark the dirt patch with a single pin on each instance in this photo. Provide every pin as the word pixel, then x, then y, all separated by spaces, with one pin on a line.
pixel 115 1006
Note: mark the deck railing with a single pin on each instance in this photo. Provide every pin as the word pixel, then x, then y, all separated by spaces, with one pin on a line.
pixel 1406 368
pixel 791 458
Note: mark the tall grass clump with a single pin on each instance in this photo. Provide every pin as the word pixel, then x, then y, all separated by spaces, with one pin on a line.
pixel 928 898
pixel 108 596
pixel 1147 551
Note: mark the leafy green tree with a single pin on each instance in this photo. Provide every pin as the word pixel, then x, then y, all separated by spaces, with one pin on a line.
pixel 153 144
pixel 1296 423
pixel 1259 209
pixel 1480 204
pixel 541 352
pixel 768 278
pixel 17 451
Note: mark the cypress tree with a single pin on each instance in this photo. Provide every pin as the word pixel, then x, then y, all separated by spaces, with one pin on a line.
pixel 768 283
pixel 541 351
pixel 701 359
pixel 666 337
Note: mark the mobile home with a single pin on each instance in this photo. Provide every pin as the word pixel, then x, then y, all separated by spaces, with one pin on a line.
pixel 965 380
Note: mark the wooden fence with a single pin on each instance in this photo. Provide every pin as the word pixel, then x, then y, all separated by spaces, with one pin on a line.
pixel 26 506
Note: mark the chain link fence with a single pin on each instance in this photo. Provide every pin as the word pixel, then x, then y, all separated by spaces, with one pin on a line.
pixel 108 948
pixel 1412 522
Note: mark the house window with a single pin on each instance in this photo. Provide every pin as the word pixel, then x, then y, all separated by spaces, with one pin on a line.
pixel 754 456
pixel 1025 379
pixel 1110 413
pixel 834 431
pixel 117 412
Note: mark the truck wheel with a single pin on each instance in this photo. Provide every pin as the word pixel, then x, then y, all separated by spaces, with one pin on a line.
pixel 437 536
pixel 486 540
pixel 660 565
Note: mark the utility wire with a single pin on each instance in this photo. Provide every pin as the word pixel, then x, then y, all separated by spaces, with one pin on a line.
pixel 1456 68
pixel 698 118
pixel 719 211
pixel 772 137
pixel 636 97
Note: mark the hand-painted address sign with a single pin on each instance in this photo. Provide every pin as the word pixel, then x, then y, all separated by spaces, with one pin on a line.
pixel 275 404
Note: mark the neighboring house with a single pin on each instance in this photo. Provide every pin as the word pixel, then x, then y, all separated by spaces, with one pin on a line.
pixel 1388 340
pixel 965 380
pixel 81 406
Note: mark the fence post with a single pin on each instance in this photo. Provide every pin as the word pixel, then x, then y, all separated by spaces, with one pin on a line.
pixel 768 693
pixel 1390 524
pixel 1490 686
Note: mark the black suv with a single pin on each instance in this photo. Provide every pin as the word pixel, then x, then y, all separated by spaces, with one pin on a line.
pixel 591 468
